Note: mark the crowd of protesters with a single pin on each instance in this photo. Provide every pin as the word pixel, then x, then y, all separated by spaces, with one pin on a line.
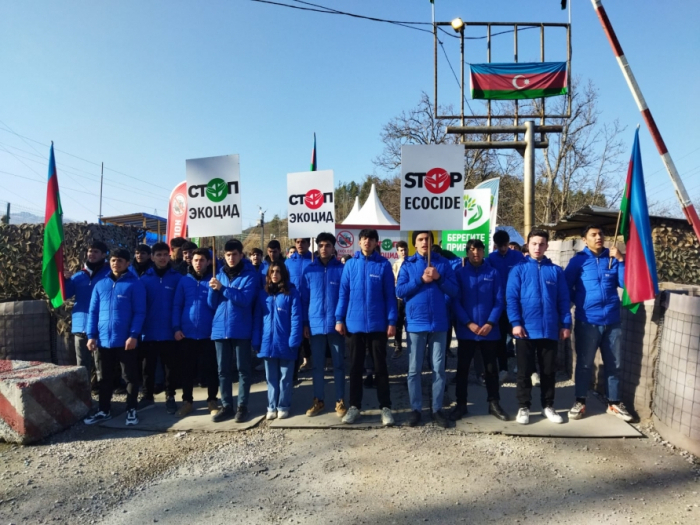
pixel 173 308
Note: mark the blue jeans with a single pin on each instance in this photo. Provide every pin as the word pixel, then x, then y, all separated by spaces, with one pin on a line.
pixel 590 337
pixel 225 351
pixel 418 342
pixel 279 374
pixel 336 342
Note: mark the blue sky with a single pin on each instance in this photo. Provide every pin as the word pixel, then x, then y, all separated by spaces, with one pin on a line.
pixel 143 86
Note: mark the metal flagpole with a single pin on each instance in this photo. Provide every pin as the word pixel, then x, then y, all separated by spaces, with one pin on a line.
pixel 681 193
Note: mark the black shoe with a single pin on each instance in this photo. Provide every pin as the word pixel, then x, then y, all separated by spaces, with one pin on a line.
pixel 222 415
pixel 241 414
pixel 170 405
pixel 458 412
pixel 496 410
pixel 413 418
pixel 369 381
pixel 440 419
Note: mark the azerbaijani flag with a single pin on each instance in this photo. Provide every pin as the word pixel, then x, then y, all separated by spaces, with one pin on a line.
pixel 313 156
pixel 518 81
pixel 641 281
pixel 52 265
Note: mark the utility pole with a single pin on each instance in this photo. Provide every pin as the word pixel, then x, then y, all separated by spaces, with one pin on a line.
pixel 261 223
pixel 102 175
pixel 6 218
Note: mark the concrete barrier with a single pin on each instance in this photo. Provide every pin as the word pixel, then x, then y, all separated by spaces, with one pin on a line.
pixel 38 399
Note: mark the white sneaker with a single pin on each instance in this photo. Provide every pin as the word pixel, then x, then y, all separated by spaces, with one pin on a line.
pixel 535 377
pixel 131 418
pixel 387 417
pixel 523 416
pixel 271 414
pixel 351 416
pixel 503 376
pixel 552 415
pixel 282 414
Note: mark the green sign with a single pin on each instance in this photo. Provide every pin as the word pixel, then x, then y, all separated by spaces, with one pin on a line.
pixel 477 206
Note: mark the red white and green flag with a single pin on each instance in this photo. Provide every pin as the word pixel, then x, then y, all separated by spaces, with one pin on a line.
pixel 518 81
pixel 52 265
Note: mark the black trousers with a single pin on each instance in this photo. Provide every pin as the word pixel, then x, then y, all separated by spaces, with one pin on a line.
pixel 505 328
pixel 149 352
pixel 544 351
pixel 359 343
pixel 129 361
pixel 400 322
pixel 465 353
pixel 198 356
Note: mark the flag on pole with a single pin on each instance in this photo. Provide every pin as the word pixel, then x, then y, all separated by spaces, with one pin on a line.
pixel 518 81
pixel 313 156
pixel 52 264
pixel 641 281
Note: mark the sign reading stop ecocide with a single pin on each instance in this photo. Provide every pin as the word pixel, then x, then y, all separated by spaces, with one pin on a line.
pixel 432 187
pixel 310 203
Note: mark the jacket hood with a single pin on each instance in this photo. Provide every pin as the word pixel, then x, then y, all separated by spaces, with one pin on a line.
pixel 374 257
pixel 296 256
pixel 546 261
pixel 434 256
pixel 152 270
pixel 332 262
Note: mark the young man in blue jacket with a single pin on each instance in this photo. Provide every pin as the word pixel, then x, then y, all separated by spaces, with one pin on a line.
pixel 115 320
pixel 320 287
pixel 296 263
pixel 231 295
pixel 537 300
pixel 593 276
pixel 503 259
pixel 477 310
pixel 366 313
pixel 424 288
pixel 81 285
pixel 142 260
pixel 192 320
pixel 160 282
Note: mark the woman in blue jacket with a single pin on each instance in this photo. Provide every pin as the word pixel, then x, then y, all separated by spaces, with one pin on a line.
pixel 277 334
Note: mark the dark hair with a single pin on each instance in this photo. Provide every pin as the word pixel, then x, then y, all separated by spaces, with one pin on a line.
pixel 538 233
pixel 99 245
pixel 584 232
pixel 346 257
pixel 143 248
pixel 284 284
pixel 189 245
pixel 325 236
pixel 160 247
pixel 177 242
pixel 369 233
pixel 513 243
pixel 501 238
pixel 307 239
pixel 121 253
pixel 525 249
pixel 417 233
pixel 256 250
pixel 402 244
pixel 475 243
pixel 204 252
pixel 274 244
pixel 233 245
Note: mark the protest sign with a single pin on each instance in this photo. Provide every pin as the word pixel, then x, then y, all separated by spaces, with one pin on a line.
pixel 476 223
pixel 348 241
pixel 310 203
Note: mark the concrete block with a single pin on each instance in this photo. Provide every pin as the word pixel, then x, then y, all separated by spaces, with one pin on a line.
pixel 39 399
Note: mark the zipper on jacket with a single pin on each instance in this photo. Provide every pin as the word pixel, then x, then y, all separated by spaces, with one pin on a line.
pixel 367 283
pixel 539 272
pixel 111 311
pixel 600 284
pixel 325 283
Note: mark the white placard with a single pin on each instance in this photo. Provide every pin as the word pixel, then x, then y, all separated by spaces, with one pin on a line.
pixel 310 209
pixel 432 187
pixel 213 196
pixel 348 241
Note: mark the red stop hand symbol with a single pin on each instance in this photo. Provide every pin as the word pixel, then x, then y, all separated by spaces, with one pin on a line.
pixel 437 180
pixel 313 199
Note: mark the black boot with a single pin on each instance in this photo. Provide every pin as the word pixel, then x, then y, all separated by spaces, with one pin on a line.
pixel 496 411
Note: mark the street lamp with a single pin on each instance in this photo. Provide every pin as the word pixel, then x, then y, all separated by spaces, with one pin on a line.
pixel 458 25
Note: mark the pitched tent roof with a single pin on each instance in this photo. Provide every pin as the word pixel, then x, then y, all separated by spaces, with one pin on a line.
pixel 372 212
pixel 352 216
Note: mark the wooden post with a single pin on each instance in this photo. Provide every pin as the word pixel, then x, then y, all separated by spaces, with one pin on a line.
pixel 617 230
pixel 213 256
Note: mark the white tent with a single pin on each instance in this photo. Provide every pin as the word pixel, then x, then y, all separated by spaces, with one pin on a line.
pixel 372 212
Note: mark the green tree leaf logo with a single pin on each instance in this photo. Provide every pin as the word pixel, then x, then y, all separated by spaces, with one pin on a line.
pixel 472 210
pixel 387 244
pixel 217 190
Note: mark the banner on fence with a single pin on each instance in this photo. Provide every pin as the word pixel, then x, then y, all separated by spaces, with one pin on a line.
pixel 348 241
pixel 310 208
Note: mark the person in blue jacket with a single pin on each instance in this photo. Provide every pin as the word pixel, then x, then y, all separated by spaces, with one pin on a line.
pixel 366 313
pixel 320 287
pixel 593 276
pixel 192 320
pixel 277 334
pixel 424 288
pixel 537 300
pixel 296 263
pixel 114 324
pixel 232 294
pixel 142 260
pixel 503 259
pixel 274 254
pixel 477 309
pixel 81 285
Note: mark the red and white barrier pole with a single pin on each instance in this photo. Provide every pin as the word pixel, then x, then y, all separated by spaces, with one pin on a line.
pixel 681 193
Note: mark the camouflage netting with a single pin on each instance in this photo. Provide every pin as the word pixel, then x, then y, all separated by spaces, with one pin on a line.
pixel 21 256
pixel 677 253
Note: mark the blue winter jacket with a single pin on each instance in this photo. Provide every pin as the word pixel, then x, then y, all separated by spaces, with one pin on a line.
pixel 117 310
pixel 191 312
pixel 505 263
pixel 367 299
pixel 320 288
pixel 481 300
pixel 426 304
pixel 537 298
pixel 593 286
pixel 278 326
pixel 233 304
pixel 160 295
pixel 133 269
pixel 296 264
pixel 81 285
